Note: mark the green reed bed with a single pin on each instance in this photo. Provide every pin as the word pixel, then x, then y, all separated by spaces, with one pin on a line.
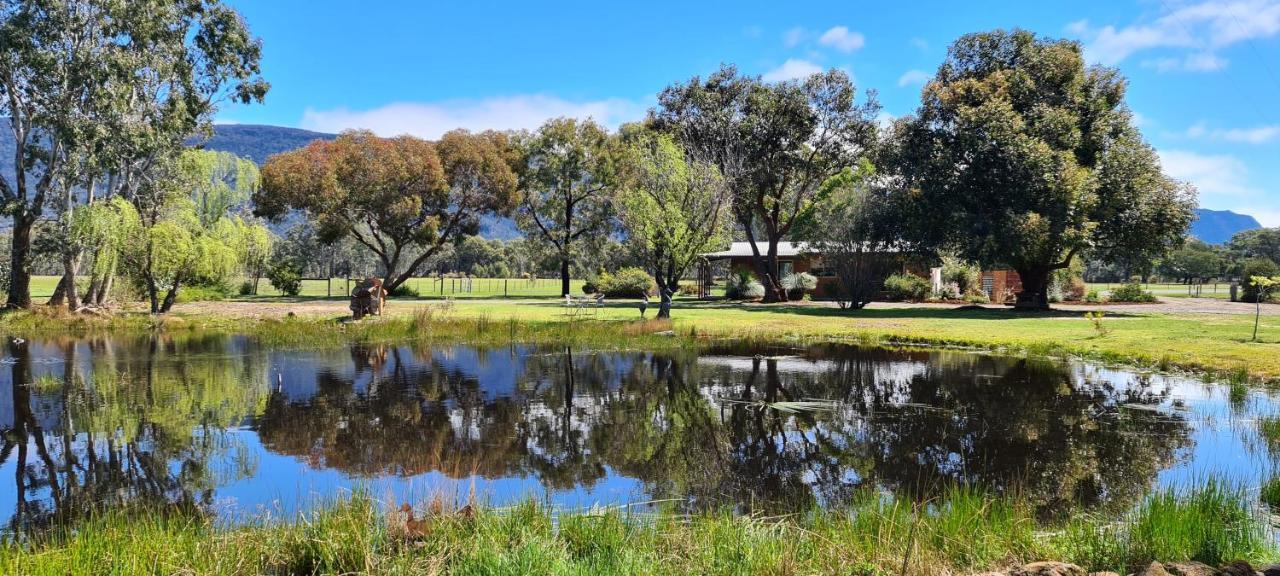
pixel 963 531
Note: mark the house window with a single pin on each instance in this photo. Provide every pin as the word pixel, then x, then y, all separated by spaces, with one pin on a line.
pixel 988 287
pixel 786 268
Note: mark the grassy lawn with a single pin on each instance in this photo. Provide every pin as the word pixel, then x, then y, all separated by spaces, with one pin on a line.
pixel 1220 290
pixel 1218 344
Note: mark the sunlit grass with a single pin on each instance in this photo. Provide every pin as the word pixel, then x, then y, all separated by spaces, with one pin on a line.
pixel 963 531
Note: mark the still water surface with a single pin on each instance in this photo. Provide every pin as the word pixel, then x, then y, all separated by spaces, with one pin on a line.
pixel 228 426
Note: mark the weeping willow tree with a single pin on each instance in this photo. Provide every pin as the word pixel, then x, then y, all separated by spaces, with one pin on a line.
pixel 188 232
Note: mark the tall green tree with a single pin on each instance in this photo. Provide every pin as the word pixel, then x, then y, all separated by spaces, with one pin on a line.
pixel 568 182
pixel 853 228
pixel 1022 156
pixel 402 198
pixel 672 209
pixel 97 91
pixel 774 143
pixel 1259 243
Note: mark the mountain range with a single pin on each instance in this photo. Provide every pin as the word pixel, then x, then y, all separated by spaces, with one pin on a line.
pixel 258 142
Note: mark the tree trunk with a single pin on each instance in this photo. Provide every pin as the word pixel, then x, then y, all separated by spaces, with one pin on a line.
pixel 664 292
pixel 1035 288
pixel 153 294
pixel 70 266
pixel 169 298
pixel 564 277
pixel 20 261
pixel 59 292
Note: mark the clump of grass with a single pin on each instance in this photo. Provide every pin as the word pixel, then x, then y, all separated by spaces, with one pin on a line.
pixel 1269 428
pixel 963 530
pixel 1270 492
pixel 1210 522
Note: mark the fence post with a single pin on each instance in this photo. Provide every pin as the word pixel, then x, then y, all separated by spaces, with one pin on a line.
pixel 504 287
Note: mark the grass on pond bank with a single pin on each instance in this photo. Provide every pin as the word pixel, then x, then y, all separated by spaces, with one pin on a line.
pixel 1215 344
pixel 962 532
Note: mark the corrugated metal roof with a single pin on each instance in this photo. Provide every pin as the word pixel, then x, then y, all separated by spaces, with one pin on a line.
pixel 740 249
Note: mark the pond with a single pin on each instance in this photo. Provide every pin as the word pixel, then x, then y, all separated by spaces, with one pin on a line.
pixel 224 425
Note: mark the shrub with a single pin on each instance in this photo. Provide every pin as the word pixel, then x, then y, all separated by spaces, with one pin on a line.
pixel 404 291
pixel 966 277
pixel 1074 290
pixel 1132 292
pixel 246 288
pixel 627 283
pixel 203 293
pixel 1271 492
pixel 589 287
pixel 1256 267
pixel 285 277
pixel 1092 297
pixel 978 298
pixel 741 285
pixel 907 287
pixel 797 285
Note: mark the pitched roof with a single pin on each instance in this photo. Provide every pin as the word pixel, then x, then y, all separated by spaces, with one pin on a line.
pixel 740 249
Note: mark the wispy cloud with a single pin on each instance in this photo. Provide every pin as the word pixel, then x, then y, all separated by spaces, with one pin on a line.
pixel 1203 28
pixel 1213 175
pixel 792 69
pixel 842 38
pixel 1201 62
pixel 913 77
pixel 920 44
pixel 431 119
pixel 1253 135
pixel 794 36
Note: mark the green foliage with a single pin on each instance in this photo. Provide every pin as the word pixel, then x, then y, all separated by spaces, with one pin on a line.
pixel 402 198
pixel 852 227
pixel 742 285
pixel 1256 268
pixel 246 288
pixel 1092 296
pixel 673 208
pixel 203 293
pixel 966 276
pixel 1259 243
pixel 1270 493
pixel 1052 163
pixel 286 278
pixel 1131 292
pixel 404 291
pixel 906 287
pixel 627 283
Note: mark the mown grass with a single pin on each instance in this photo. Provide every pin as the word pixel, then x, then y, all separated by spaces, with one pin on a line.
pixel 964 531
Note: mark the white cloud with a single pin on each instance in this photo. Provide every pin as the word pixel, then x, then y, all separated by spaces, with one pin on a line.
pixel 1254 135
pixel 842 39
pixel 1212 175
pixel 911 77
pixel 431 119
pixel 921 44
pixel 1200 62
pixel 1203 27
pixel 792 69
pixel 794 36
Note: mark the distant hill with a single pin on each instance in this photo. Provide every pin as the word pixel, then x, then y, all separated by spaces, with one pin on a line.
pixel 257 142
pixel 1218 226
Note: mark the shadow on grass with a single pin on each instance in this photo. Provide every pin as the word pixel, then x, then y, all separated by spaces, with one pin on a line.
pixel 906 312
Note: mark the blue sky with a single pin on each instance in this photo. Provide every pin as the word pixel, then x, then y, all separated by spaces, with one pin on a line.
pixel 1204 75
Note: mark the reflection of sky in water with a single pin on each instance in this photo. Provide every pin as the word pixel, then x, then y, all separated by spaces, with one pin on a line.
pixel 247 477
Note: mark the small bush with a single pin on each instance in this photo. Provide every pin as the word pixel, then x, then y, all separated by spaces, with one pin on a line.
pixel 404 291
pixel 246 288
pixel 1257 267
pixel 1074 290
pixel 627 283
pixel 1092 297
pixel 978 298
pixel 908 287
pixel 285 277
pixel 966 277
pixel 741 285
pixel 1132 292
pixel 203 293
pixel 797 285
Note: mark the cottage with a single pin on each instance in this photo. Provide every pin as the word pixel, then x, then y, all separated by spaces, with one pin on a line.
pixel 796 257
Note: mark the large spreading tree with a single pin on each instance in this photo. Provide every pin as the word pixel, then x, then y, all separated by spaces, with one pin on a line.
pixel 774 143
pixel 567 180
pixel 673 208
pixel 1022 156
pixel 402 198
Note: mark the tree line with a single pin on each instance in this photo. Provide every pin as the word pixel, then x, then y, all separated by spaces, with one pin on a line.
pixel 1020 155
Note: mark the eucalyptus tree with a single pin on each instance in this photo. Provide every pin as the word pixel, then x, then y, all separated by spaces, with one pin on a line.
pixel 402 198
pixel 101 92
pixel 673 209
pixel 567 179
pixel 1022 156
pixel 854 229
pixel 774 143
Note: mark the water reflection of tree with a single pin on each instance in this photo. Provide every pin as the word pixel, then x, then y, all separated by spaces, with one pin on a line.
pixel 124 425
pixel 428 416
